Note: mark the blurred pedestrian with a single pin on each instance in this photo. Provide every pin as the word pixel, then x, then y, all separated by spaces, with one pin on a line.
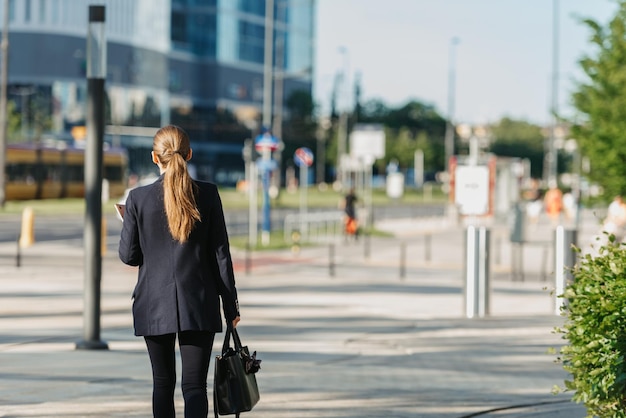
pixel 351 225
pixel 569 205
pixel 174 230
pixel 553 203
pixel 615 220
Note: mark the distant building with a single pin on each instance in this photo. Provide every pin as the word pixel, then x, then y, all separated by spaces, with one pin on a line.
pixel 195 63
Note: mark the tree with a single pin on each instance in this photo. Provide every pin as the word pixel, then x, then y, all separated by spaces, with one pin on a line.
pixel 14 123
pixel 512 138
pixel 600 101
pixel 299 129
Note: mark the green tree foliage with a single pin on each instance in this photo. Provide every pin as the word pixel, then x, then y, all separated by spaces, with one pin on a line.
pixel 299 129
pixel 513 138
pixel 408 128
pixel 14 123
pixel 596 331
pixel 401 148
pixel 600 101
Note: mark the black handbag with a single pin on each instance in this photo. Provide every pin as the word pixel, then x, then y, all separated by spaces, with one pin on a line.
pixel 235 388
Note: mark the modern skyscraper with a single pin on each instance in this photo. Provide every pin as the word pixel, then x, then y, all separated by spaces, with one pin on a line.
pixel 195 63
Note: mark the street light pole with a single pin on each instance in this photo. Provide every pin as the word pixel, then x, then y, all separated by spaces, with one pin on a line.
pixel 96 75
pixel 449 135
pixel 268 76
pixel 268 64
pixel 551 163
pixel 342 134
pixel 4 70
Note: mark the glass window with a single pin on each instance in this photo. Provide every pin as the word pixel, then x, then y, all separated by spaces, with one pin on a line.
pixel 299 52
pixel 227 38
pixel 55 11
pixel 179 27
pixel 203 34
pixel 27 11
pixel 42 11
pixel 12 10
pixel 301 19
pixel 256 7
pixel 251 42
pixel 205 2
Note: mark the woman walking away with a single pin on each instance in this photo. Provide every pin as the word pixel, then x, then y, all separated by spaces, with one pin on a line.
pixel 174 230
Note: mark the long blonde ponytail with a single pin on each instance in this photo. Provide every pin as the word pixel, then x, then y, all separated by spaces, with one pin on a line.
pixel 172 148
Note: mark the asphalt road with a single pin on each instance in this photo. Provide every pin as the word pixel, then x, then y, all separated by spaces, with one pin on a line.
pixel 59 227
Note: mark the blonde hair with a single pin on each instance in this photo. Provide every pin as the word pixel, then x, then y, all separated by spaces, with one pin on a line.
pixel 171 147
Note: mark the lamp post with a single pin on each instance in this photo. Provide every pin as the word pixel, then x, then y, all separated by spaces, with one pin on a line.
pixel 268 63
pixel 342 134
pixel 551 154
pixel 96 75
pixel 261 142
pixel 4 70
pixel 449 135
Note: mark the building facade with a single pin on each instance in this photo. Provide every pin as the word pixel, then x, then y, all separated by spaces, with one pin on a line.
pixel 198 64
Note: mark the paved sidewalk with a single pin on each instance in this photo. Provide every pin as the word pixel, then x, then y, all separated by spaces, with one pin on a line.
pixel 384 336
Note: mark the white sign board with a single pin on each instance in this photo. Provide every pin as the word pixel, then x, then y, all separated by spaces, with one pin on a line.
pixel 471 189
pixel 367 143
pixel 395 185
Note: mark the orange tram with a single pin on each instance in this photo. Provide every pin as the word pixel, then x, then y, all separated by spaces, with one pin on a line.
pixel 37 171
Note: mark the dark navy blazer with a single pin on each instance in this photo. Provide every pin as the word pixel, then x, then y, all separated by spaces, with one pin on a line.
pixel 179 285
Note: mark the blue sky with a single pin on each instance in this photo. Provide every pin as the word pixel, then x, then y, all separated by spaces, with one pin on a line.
pixel 503 61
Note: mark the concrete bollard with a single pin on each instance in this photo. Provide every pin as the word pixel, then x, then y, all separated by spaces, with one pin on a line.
pixel 565 259
pixel 27 234
pixel 477 272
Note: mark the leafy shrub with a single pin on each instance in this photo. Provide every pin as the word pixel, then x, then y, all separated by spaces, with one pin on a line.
pixel 595 328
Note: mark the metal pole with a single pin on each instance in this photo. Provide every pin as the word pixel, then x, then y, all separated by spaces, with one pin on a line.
pixel 266 226
pixel 449 135
pixel 304 182
pixel 278 81
pixel 253 204
pixel 96 66
pixel 268 73
pixel 551 156
pixel 565 259
pixel 4 70
pixel 342 134
pixel 477 272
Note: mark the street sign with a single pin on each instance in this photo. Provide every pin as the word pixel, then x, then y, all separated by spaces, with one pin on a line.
pixel 303 157
pixel 265 142
pixel 367 141
pixel 472 189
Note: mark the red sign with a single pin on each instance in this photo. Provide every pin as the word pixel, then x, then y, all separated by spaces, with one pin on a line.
pixel 266 141
pixel 303 157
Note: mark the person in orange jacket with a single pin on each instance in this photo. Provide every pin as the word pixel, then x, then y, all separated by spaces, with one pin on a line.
pixel 553 202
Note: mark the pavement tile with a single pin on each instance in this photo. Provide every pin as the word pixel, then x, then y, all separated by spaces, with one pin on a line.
pixel 370 332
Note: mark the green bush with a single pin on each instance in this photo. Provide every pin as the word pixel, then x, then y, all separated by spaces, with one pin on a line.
pixel 595 328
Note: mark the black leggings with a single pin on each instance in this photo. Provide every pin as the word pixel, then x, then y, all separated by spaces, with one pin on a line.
pixel 195 351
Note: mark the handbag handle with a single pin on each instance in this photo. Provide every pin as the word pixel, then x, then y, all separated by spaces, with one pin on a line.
pixel 237 341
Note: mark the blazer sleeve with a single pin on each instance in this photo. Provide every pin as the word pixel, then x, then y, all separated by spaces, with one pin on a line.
pixel 130 249
pixel 221 247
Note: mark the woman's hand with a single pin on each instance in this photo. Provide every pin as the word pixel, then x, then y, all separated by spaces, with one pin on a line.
pixel 236 321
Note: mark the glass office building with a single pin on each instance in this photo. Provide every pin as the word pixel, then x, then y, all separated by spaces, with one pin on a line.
pixel 195 63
